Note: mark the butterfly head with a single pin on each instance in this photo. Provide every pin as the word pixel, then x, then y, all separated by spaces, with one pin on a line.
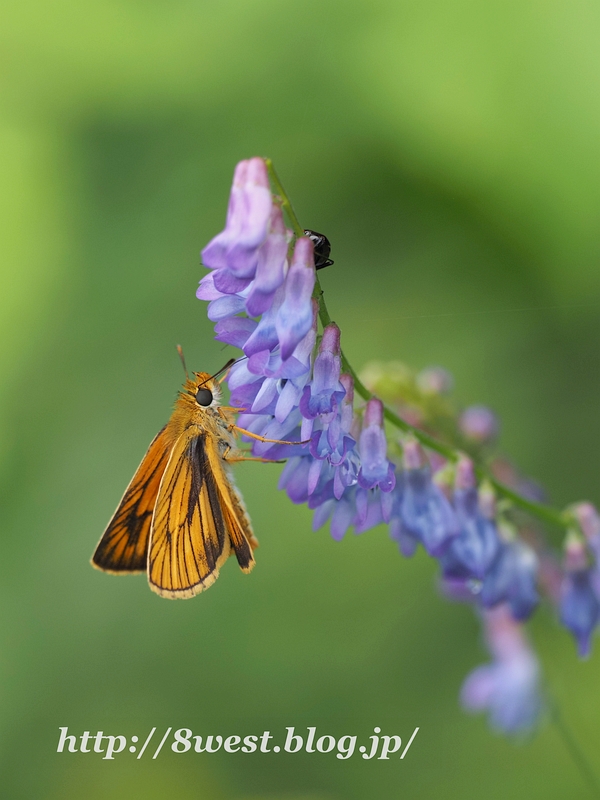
pixel 202 390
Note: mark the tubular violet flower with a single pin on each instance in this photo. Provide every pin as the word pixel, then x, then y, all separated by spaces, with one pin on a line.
pixel 509 687
pixel 234 251
pixel 579 606
pixel 376 470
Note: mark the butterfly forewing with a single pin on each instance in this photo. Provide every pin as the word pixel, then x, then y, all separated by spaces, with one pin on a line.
pixel 190 530
pixel 124 546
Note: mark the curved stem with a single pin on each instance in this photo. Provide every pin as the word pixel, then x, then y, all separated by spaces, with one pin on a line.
pixel 285 200
pixel 541 511
pixel 562 520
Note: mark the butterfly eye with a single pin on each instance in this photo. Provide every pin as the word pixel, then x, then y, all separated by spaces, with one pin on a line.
pixel 204 397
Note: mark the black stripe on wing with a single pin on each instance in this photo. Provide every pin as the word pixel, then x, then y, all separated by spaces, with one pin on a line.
pixel 203 474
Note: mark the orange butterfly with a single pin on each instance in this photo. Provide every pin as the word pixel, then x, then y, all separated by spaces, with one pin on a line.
pixel 182 515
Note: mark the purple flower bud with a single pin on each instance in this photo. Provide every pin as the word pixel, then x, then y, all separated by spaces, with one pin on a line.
pixel 487 501
pixel 508 688
pixel 295 315
pixel 477 543
pixel 426 512
pixel 414 457
pixel 248 215
pixel 347 408
pixel 512 579
pixel 478 424
pixel 322 395
pixel 465 474
pixel 335 441
pixel 578 605
pixel 588 519
pixel 376 470
pixel 589 522
pixel 579 608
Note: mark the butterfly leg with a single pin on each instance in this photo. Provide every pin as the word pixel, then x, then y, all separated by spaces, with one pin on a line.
pixel 263 438
pixel 230 409
pixel 241 456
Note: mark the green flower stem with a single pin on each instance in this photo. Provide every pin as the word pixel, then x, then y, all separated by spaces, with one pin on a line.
pixel 285 200
pixel 543 512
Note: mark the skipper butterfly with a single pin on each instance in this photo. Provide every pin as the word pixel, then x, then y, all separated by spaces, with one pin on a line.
pixel 182 514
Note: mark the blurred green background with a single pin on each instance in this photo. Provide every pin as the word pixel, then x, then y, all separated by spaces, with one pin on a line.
pixel 451 152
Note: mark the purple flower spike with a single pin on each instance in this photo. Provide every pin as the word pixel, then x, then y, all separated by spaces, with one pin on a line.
pixel 248 215
pixel 322 395
pixel 509 687
pixel 376 470
pixel 295 315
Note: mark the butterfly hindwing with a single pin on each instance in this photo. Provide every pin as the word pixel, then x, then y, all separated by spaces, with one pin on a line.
pixel 190 539
pixel 124 546
pixel 235 516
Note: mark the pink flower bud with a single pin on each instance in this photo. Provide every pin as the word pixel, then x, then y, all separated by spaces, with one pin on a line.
pixel 434 380
pixel 465 474
pixel 478 424
pixel 414 455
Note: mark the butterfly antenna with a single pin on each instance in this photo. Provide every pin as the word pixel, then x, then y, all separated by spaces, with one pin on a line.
pixel 182 357
pixel 226 368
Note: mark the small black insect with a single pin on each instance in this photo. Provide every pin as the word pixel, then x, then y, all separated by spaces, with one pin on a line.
pixel 322 249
